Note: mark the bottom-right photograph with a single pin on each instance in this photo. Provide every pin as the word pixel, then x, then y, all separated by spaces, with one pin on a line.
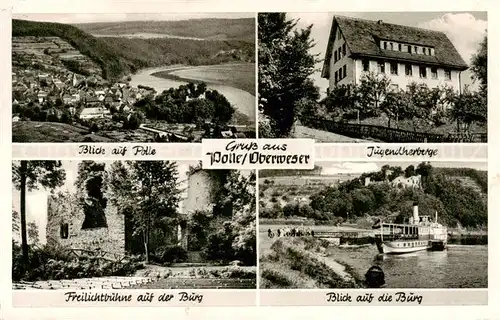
pixel 374 225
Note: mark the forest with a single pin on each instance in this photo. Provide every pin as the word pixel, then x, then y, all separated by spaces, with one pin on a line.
pixel 457 204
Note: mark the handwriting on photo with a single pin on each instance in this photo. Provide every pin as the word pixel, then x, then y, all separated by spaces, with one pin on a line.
pixel 120 150
pixel 386 297
pixel 400 151
pixel 73 296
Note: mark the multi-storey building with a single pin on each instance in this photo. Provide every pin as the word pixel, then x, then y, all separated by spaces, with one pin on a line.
pixel 404 54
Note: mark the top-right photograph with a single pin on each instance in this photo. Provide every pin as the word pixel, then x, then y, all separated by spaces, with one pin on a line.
pixel 373 76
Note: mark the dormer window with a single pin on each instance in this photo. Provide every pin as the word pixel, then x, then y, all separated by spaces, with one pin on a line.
pixel 400 47
pixel 385 45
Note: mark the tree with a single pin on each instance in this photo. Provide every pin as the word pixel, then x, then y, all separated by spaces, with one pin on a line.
pixel 372 90
pixel 222 110
pixel 469 107
pixel 394 106
pixel 30 175
pixel 341 100
pixel 16 222
pixel 479 64
pixel 285 67
pixel 147 192
pixel 409 171
pixel 33 234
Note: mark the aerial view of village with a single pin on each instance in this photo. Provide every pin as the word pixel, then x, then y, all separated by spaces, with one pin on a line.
pixel 373 76
pixel 374 225
pixel 145 78
pixel 132 225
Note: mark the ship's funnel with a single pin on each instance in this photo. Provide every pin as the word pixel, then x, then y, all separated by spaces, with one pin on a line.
pixel 415 213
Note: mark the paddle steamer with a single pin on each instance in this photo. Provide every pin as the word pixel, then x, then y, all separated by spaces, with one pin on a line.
pixel 420 234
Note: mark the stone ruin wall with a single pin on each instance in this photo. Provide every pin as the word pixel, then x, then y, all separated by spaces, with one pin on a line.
pixel 67 209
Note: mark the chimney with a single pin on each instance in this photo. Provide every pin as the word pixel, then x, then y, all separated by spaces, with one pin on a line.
pixel 415 213
pixel 380 22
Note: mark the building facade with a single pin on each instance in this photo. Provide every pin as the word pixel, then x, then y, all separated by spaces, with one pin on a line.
pixel 404 54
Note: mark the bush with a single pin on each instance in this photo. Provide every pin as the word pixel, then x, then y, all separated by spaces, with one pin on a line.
pixel 169 254
pixel 55 263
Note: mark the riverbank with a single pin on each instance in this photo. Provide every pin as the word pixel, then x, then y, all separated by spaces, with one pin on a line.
pixel 227 79
pixel 240 76
pixel 303 262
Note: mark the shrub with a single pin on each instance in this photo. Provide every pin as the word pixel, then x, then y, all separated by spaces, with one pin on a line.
pixel 169 254
pixel 54 263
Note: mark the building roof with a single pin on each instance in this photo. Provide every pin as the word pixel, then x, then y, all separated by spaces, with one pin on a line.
pixel 362 38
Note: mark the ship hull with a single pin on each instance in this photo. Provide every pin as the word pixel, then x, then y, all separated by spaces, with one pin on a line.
pixel 401 247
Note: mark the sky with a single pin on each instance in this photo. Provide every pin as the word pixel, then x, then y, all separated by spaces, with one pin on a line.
pixel 330 168
pixel 72 18
pixel 465 30
pixel 36 201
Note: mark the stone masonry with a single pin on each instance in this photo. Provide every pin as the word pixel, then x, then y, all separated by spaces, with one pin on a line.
pixel 65 217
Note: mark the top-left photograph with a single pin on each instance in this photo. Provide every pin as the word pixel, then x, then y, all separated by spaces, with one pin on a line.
pixel 133 77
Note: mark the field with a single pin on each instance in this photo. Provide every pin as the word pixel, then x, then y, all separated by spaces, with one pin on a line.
pixel 32 131
pixel 240 76
pixel 283 190
pixel 208 29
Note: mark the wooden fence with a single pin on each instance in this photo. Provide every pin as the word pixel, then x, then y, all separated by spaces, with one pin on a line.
pixel 385 134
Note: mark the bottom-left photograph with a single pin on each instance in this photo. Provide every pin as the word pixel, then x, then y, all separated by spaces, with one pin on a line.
pixel 132 225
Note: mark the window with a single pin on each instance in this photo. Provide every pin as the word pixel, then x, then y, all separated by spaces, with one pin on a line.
pixel 400 47
pixel 366 65
pixel 434 72
pixel 423 72
pixel 415 49
pixel 64 231
pixel 344 70
pixel 343 49
pixel 335 56
pixel 408 70
pixel 447 74
pixel 394 68
pixel 339 54
pixel 385 45
pixel 409 49
pixel 381 67
pixel 336 77
pixel 340 74
pixel 392 46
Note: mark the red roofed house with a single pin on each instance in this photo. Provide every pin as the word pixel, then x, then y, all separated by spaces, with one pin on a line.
pixel 404 54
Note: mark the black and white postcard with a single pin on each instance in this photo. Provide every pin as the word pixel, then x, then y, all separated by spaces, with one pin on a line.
pixel 374 225
pixel 80 225
pixel 373 76
pixel 132 77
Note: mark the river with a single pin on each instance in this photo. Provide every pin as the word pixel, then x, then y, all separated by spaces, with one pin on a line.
pixel 243 101
pixel 459 266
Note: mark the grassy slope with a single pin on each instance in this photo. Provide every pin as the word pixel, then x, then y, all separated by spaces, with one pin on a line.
pixel 299 263
pixel 120 56
pixel 31 131
pixel 221 29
